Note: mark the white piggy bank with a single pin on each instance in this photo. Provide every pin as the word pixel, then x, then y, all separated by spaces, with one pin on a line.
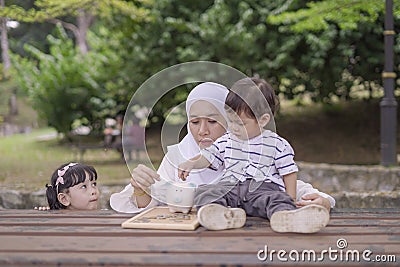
pixel 180 196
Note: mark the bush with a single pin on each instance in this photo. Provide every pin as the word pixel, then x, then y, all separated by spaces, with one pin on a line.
pixel 65 86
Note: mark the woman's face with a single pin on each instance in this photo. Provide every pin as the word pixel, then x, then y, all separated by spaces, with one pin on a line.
pixel 205 123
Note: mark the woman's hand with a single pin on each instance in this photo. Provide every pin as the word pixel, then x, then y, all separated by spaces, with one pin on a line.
pixel 314 198
pixel 143 177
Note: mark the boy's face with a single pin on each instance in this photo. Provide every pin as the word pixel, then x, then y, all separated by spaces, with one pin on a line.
pixel 84 196
pixel 243 126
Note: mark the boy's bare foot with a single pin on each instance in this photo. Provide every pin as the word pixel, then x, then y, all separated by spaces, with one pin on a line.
pixel 218 217
pixel 308 219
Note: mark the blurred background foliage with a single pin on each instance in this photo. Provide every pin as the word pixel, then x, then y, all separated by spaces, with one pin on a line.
pixel 82 60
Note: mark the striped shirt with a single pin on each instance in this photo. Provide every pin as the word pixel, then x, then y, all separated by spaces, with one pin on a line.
pixel 267 157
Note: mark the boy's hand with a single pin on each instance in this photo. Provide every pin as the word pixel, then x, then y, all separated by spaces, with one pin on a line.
pixel 184 169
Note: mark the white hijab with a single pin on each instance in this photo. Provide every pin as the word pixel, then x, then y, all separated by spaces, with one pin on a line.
pixel 215 94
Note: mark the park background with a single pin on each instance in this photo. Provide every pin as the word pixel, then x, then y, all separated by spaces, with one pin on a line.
pixel 68 64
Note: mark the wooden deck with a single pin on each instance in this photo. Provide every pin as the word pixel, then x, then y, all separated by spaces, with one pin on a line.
pixel 62 238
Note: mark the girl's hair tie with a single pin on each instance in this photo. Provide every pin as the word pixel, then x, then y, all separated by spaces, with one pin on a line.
pixel 61 172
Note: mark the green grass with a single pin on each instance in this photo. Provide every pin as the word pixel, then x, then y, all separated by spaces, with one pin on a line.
pixel 27 162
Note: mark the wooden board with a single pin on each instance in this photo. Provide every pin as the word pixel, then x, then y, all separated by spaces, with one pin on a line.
pixel 162 218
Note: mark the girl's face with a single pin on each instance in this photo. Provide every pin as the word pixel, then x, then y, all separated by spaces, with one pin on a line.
pixel 84 196
pixel 206 124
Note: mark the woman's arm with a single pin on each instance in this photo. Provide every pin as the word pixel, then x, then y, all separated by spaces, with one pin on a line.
pixel 123 201
pixel 314 198
pixel 142 178
pixel 140 196
pixel 136 196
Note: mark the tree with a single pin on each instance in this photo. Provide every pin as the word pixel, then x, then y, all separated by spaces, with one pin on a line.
pixel 357 28
pixel 320 64
pixel 4 42
pixel 65 86
pixel 85 12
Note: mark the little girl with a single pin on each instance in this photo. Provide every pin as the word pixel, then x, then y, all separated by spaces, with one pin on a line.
pixel 73 186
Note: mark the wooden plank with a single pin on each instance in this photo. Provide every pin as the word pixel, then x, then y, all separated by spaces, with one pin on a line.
pixel 49 215
pixel 365 215
pixel 87 230
pixel 156 259
pixel 41 215
pixel 264 231
pixel 111 221
pixel 86 213
pixel 363 222
pixel 334 212
pixel 252 222
pixel 254 226
pixel 129 259
pixel 25 212
pixel 209 244
pixel 275 237
pixel 394 215
pixel 365 211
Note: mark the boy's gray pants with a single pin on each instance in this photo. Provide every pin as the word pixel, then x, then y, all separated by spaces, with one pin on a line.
pixel 262 202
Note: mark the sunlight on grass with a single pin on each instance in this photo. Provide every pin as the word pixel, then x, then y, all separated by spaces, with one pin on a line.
pixel 28 161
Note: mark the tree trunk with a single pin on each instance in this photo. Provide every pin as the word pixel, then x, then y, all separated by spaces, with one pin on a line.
pixel 13 106
pixel 4 43
pixel 84 21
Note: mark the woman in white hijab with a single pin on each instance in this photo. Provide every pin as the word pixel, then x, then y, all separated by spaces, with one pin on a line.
pixel 206 123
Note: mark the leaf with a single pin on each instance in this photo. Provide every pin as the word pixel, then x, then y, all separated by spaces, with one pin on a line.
pixel 318 15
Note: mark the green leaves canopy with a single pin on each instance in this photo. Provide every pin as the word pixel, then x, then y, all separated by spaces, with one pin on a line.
pixel 318 16
pixel 321 49
pixel 48 9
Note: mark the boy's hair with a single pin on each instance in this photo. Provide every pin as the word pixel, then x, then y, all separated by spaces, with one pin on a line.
pixel 246 92
pixel 71 174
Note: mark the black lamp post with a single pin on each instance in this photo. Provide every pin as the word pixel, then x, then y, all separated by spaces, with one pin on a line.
pixel 388 103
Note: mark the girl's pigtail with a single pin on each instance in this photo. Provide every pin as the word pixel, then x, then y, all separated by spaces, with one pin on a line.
pixel 58 185
pixel 52 199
